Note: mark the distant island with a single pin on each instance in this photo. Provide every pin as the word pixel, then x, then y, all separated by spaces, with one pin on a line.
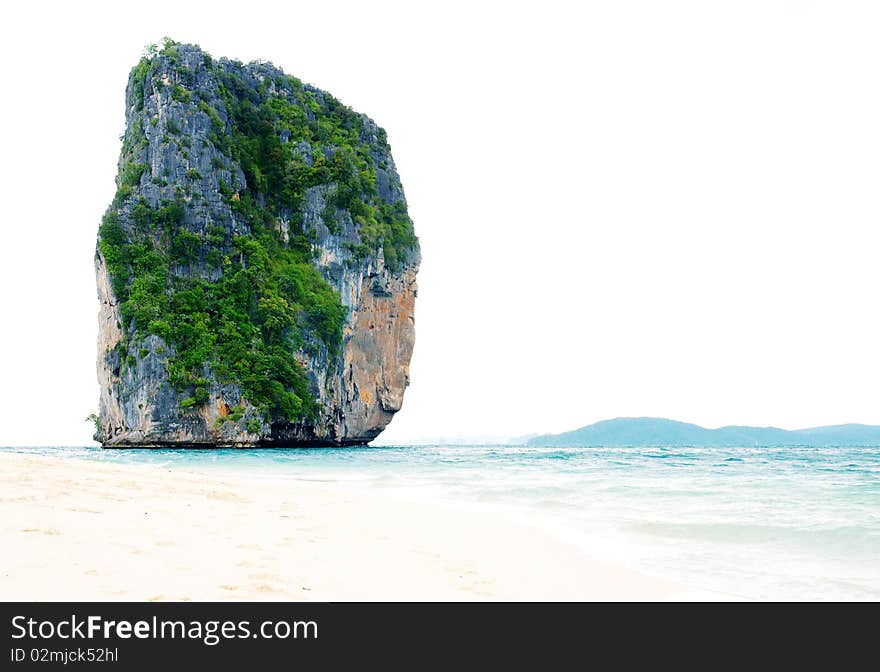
pixel 663 432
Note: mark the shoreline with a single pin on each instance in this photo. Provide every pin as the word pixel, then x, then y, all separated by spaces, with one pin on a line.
pixel 74 529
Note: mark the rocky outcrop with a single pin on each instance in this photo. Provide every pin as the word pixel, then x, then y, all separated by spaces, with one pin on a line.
pixel 235 176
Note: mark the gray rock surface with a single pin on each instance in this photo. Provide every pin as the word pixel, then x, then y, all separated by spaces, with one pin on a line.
pixel 359 390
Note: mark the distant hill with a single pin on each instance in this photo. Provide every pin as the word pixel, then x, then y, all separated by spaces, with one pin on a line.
pixel 662 432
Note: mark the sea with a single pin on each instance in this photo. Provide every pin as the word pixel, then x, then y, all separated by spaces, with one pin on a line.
pixel 754 523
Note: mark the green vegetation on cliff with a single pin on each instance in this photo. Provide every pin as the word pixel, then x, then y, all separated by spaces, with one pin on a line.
pixel 235 299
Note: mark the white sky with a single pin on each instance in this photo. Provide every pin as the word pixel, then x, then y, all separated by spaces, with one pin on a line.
pixel 625 208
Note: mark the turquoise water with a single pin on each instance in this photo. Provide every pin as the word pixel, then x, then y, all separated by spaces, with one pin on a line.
pixel 761 523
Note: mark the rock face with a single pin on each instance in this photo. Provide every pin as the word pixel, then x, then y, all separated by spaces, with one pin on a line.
pixel 257 268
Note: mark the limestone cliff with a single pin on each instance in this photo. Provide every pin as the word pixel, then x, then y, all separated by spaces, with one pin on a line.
pixel 257 267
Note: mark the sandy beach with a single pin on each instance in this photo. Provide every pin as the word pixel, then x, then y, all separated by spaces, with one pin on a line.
pixel 73 529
